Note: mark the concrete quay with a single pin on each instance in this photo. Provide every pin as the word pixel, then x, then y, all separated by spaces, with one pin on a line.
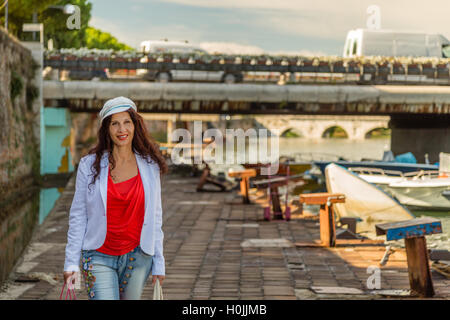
pixel 213 250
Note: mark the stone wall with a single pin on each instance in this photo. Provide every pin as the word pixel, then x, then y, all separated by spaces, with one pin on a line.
pixel 19 150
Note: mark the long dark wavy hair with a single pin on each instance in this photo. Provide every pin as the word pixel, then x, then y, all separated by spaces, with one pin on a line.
pixel 143 144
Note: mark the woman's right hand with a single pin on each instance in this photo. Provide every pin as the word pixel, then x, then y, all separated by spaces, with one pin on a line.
pixel 67 275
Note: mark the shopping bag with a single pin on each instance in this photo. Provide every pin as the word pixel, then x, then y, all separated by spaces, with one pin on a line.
pixel 69 292
pixel 157 291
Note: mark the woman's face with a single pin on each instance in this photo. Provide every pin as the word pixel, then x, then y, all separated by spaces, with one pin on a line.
pixel 121 129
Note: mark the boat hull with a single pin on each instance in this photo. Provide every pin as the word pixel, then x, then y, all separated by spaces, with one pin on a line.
pixel 363 200
pixel 427 198
pixel 393 166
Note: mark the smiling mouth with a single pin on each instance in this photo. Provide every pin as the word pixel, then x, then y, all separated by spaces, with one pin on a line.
pixel 122 137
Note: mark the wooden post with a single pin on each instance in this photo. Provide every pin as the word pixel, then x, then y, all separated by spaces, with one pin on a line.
pixel 245 176
pixel 169 131
pixel 326 214
pixel 276 207
pixel 418 266
pixel 414 232
pixel 203 178
pixel 244 189
pixel 327 226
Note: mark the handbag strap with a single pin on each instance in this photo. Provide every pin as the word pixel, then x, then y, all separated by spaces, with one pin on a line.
pixel 68 292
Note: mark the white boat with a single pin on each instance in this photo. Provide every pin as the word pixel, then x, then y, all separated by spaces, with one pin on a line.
pixel 428 193
pixel 446 194
pixel 380 177
pixel 426 190
pixel 363 200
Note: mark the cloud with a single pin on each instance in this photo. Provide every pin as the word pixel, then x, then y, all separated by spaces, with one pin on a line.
pixel 123 33
pixel 128 34
pixel 230 48
pixel 332 19
pixel 248 25
pixel 237 48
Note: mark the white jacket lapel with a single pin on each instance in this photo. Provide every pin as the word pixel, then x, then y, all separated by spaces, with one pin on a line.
pixel 143 169
pixel 104 167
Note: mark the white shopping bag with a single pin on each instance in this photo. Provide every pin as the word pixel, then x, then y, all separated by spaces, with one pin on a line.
pixel 157 291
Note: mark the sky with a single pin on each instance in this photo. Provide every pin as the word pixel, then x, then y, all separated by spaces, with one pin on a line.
pixel 300 27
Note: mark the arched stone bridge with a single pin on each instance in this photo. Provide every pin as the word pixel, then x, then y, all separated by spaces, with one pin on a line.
pixel 314 127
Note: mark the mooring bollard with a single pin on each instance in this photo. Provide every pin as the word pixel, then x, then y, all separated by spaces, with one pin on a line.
pixel 327 220
pixel 414 232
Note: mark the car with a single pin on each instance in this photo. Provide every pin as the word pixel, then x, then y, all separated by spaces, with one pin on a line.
pixel 161 46
pixel 88 74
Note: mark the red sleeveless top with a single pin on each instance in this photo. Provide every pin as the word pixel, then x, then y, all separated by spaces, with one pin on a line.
pixel 125 215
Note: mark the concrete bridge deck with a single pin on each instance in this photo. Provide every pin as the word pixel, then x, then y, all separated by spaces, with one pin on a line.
pixel 207 256
pixel 251 98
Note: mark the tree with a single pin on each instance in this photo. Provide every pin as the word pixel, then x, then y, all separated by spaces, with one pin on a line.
pixel 55 25
pixel 96 38
pixel 21 11
pixel 54 20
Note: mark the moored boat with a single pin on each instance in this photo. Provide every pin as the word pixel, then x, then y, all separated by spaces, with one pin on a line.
pixel 424 190
pixel 384 165
pixel 363 200
pixel 428 193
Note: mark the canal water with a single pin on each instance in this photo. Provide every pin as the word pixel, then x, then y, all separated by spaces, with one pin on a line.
pixel 350 150
pixel 47 200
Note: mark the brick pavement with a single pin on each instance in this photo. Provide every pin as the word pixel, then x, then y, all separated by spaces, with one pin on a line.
pixel 206 258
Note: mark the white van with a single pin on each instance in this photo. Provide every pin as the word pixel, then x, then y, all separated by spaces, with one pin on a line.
pixel 161 46
pixel 366 42
pixel 155 46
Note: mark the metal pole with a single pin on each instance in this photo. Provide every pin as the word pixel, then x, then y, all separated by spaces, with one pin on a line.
pixel 34 21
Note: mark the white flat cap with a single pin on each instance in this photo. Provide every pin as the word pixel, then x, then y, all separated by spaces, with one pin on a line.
pixel 116 105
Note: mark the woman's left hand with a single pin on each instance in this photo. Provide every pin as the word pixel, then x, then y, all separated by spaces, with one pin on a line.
pixel 161 279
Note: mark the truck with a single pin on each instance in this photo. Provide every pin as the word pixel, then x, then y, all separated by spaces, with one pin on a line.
pixel 391 43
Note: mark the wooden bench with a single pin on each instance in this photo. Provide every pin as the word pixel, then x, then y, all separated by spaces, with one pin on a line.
pixel 245 176
pixel 414 232
pixel 327 219
pixel 275 182
pixel 207 177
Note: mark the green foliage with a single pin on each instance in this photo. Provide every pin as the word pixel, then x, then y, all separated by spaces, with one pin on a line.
pixel 290 134
pixel 55 20
pixel 379 133
pixel 21 11
pixel 55 25
pixel 96 38
pixel 32 94
pixel 335 132
pixel 16 85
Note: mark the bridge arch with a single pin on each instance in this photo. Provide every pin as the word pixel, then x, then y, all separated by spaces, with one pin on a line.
pixel 377 132
pixel 335 131
pixel 292 132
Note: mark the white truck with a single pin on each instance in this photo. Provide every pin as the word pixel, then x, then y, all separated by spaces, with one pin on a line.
pixel 367 42
pixel 161 46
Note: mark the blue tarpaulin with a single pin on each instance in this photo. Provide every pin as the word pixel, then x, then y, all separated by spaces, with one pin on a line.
pixel 406 158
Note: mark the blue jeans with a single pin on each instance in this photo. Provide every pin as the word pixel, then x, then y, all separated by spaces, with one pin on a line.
pixel 110 277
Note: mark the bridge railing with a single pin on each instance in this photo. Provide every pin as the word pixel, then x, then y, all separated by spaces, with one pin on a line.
pixel 364 70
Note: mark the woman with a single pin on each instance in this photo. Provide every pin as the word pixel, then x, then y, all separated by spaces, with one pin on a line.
pixel 116 216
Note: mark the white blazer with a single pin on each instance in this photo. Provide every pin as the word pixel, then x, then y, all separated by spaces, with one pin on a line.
pixel 87 220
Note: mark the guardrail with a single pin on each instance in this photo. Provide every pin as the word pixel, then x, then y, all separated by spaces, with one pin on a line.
pixel 378 70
